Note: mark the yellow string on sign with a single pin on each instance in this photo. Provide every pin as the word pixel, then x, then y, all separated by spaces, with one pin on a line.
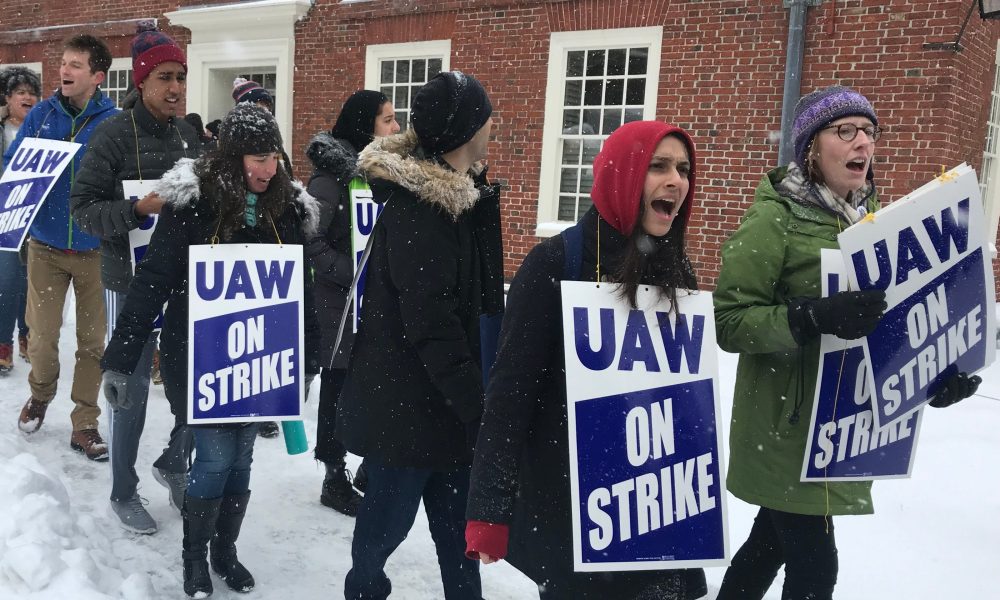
pixel 135 133
pixel 276 236
pixel 946 176
pixel 598 250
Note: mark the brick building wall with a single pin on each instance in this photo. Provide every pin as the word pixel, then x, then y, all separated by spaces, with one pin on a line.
pixel 720 77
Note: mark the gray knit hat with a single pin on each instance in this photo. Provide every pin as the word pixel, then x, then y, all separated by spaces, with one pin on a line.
pixel 820 108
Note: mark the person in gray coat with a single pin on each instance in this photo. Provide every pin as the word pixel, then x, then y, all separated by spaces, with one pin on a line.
pixel 140 143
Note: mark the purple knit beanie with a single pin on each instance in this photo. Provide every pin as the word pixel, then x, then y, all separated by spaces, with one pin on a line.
pixel 150 48
pixel 820 108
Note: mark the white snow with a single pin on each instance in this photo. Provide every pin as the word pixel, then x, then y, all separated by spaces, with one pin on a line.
pixel 932 536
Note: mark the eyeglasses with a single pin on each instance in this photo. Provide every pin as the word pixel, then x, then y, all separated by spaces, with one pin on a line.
pixel 849 131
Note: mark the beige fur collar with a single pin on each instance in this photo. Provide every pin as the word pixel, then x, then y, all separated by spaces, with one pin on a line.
pixel 392 158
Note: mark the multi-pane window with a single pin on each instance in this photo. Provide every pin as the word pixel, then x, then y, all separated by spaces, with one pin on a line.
pixel 992 140
pixel 604 88
pixel 119 80
pixel 596 81
pixel 268 81
pixel 400 78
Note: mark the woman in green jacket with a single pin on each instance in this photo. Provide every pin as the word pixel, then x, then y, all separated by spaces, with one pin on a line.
pixel 768 309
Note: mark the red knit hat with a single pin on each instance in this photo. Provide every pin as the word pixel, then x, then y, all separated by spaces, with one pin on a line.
pixel 150 48
pixel 620 171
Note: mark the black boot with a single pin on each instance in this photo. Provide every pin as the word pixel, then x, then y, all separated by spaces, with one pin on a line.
pixel 361 478
pixel 267 429
pixel 337 491
pixel 227 529
pixel 200 516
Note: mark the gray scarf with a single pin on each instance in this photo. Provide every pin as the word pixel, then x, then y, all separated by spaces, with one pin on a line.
pixel 796 186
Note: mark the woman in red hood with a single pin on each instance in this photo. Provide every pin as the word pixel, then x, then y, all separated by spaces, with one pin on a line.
pixel 519 504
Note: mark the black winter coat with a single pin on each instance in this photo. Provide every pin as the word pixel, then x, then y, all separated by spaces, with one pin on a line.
pixel 114 154
pixel 414 392
pixel 335 163
pixel 521 473
pixel 162 276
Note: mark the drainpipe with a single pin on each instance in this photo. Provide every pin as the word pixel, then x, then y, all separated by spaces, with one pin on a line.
pixel 793 73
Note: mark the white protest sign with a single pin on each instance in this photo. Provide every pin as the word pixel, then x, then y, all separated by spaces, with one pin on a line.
pixel 646 466
pixel 844 443
pixel 138 239
pixel 245 326
pixel 929 252
pixel 364 213
pixel 26 182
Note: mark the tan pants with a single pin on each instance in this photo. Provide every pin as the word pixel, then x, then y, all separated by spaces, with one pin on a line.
pixel 50 272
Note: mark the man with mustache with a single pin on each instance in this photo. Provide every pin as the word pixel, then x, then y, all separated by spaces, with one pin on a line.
pixel 140 143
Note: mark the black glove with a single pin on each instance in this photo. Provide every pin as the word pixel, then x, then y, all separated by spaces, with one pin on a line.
pixel 958 387
pixel 847 315
pixel 115 387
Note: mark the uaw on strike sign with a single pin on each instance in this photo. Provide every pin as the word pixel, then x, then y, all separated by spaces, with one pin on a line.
pixel 27 179
pixel 245 356
pixel 648 489
pixel 845 443
pixel 929 252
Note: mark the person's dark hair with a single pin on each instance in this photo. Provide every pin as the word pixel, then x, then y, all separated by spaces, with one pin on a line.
pixel 13 77
pixel 647 260
pixel 97 50
pixel 356 121
pixel 194 119
pixel 224 186
pixel 213 127
pixel 661 262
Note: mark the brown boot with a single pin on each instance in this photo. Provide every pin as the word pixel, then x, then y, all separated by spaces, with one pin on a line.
pixel 6 358
pixel 90 443
pixel 22 347
pixel 32 415
pixel 155 376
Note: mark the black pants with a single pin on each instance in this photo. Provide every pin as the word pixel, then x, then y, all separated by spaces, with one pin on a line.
pixel 328 448
pixel 803 543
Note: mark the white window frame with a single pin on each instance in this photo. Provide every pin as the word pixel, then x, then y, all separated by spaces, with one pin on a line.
pixel 560 44
pixel 989 179
pixel 375 53
pixel 266 39
pixel 119 64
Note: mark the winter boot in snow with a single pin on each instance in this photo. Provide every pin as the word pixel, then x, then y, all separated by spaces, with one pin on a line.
pixel 22 347
pixel 227 529
pixel 6 358
pixel 337 491
pixel 200 516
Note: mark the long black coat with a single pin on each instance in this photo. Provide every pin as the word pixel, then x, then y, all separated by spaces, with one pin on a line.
pixel 126 146
pixel 162 276
pixel 335 163
pixel 414 390
pixel 521 473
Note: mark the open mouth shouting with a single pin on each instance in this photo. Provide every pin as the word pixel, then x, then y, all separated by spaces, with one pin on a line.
pixel 858 165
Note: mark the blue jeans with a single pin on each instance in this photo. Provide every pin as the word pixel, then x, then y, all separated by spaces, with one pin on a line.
pixel 222 460
pixel 13 291
pixel 386 517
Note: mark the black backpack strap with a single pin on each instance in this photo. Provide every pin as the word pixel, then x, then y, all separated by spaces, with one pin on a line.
pixel 573 249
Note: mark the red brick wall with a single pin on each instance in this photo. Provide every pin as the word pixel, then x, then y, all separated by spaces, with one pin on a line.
pixel 721 77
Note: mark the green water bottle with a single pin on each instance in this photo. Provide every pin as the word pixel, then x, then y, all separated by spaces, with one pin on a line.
pixel 295 436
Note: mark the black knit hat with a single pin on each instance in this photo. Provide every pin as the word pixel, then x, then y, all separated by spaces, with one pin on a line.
pixel 12 77
pixel 448 110
pixel 249 129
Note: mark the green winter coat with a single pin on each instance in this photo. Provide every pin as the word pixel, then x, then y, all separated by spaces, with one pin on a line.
pixel 773 257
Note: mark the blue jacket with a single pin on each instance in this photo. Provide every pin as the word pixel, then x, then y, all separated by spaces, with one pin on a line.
pixel 49 119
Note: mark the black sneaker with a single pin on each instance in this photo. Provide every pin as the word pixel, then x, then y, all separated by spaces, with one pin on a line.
pixel 267 429
pixel 338 493
pixel 360 481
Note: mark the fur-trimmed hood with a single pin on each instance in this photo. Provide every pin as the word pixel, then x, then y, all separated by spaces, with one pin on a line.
pixel 180 187
pixel 396 159
pixel 333 155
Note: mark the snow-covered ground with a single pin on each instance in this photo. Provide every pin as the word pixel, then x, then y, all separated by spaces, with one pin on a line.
pixel 934 536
